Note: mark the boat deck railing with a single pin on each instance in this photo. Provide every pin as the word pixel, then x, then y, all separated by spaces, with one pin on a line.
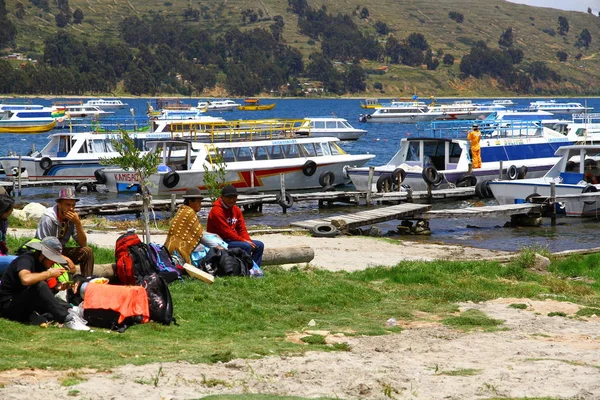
pixel 458 129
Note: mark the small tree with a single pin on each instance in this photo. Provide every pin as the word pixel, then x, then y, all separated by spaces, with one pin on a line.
pixel 143 164
pixel 562 56
pixel 456 16
pixel 507 38
pixel 563 25
pixel 214 178
pixel 448 59
pixel 584 39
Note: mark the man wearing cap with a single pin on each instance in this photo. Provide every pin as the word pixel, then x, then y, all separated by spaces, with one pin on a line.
pixel 24 293
pixel 185 231
pixel 226 220
pixel 63 222
pixel 475 137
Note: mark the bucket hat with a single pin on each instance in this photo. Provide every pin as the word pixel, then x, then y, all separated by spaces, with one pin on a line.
pixel 50 247
pixel 67 193
pixel 193 193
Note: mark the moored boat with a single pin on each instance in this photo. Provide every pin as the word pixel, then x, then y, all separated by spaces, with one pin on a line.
pixel 329 126
pixel 110 104
pixel 556 107
pixel 218 105
pixel 255 105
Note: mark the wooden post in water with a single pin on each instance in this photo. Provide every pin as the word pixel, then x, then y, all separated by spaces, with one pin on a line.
pixel 370 185
pixel 19 176
pixel 500 171
pixel 173 204
pixel 282 202
pixel 553 204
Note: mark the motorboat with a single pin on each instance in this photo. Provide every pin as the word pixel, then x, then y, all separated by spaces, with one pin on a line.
pixel 111 104
pixel 577 171
pixel 371 104
pixel 77 155
pixel 304 163
pixel 218 105
pixel 255 105
pixel 398 111
pixel 329 126
pixel 503 102
pixel 76 111
pixel 515 150
pixel 26 121
pixel 559 107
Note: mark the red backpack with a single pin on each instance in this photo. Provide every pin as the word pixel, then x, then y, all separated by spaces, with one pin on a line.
pixel 132 257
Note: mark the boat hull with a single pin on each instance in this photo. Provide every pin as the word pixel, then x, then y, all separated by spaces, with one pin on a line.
pixel 261 107
pixel 27 127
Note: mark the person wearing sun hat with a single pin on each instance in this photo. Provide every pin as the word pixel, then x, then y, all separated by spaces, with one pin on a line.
pixel 24 293
pixel 62 221
pixel 226 220
pixel 185 230
pixel 474 137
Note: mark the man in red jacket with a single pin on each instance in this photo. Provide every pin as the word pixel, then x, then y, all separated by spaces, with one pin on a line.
pixel 226 220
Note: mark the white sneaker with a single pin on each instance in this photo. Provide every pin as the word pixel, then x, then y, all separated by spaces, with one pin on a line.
pixel 77 311
pixel 75 322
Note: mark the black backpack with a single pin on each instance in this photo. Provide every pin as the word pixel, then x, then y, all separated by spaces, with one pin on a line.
pixel 142 263
pixel 159 299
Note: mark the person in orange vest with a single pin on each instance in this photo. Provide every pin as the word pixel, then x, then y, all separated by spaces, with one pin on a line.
pixel 474 137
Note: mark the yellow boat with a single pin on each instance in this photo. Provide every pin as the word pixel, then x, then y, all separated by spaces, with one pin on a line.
pixel 27 129
pixel 371 103
pixel 253 105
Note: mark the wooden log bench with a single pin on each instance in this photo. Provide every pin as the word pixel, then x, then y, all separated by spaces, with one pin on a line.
pixel 271 256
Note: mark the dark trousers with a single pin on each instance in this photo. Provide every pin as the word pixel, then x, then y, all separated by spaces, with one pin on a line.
pixel 256 254
pixel 38 298
pixel 83 256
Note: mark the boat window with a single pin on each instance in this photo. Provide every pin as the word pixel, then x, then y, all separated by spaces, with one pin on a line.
pixel 243 154
pixel 455 152
pixel 414 153
pixel 324 148
pixel 63 144
pixel 344 124
pixel 291 151
pixel 308 149
pixel 275 152
pixel 318 124
pixel 260 153
pixel 335 149
pixel 227 155
pixel 331 125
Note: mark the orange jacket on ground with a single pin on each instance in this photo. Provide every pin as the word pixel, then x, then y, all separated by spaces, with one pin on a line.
pixel 128 301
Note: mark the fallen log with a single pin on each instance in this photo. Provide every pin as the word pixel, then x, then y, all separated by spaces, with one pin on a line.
pixel 271 256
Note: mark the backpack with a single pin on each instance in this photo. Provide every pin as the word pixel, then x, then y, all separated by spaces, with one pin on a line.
pixel 132 258
pixel 160 256
pixel 159 299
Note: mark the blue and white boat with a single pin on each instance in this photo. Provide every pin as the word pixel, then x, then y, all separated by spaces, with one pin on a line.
pixel 558 107
pixel 576 172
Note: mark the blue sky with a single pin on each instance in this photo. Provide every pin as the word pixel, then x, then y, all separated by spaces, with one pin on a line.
pixel 571 5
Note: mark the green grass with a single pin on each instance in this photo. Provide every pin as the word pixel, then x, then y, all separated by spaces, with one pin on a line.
pixel 460 372
pixel 249 318
pixel 518 306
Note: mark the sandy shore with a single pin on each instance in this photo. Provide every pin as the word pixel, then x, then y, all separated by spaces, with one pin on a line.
pixel 535 356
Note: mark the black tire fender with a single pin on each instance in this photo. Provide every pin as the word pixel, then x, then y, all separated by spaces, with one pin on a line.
pixel 88 187
pixel 100 176
pixel 482 190
pixel 589 189
pixel 171 179
pixel 384 183
pixel 45 163
pixel 327 178
pixel 512 172
pixel 368 116
pixel 431 175
pixel 531 196
pixel 522 172
pixel 466 180
pixel 309 168
pixel 286 202
pixel 326 230
pixel 398 176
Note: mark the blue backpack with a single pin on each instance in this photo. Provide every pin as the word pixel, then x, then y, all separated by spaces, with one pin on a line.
pixel 162 259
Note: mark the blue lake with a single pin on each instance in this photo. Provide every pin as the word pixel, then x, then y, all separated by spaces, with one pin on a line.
pixel 382 140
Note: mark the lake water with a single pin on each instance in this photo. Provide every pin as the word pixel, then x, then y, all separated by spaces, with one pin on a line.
pixel 382 140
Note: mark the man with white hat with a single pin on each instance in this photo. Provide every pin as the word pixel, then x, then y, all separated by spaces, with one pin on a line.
pixel 63 222
pixel 24 293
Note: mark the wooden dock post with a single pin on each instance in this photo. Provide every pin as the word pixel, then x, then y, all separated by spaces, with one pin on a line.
pixel 19 176
pixel 500 171
pixel 553 204
pixel 370 185
pixel 173 204
pixel 282 202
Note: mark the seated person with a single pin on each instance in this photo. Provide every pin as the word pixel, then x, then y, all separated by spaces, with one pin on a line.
pixel 24 293
pixel 226 220
pixel 63 222
pixel 6 208
pixel 185 231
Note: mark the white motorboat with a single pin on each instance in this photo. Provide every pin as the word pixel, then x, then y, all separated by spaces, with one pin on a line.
pixel 398 111
pixel 558 107
pixel 111 104
pixel 218 105
pixel 305 163
pixel 577 171
pixel 83 111
pixel 329 126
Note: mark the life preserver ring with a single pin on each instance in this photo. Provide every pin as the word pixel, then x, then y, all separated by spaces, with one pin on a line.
pixel 384 183
pixel 522 172
pixel 324 230
pixel 466 180
pixel 309 168
pixel 171 179
pixel 45 163
pixel 286 202
pixel 432 176
pixel 327 178
pixel 100 176
pixel 512 172
pixel 398 176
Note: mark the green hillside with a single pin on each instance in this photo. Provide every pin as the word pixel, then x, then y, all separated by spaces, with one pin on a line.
pixel 532 28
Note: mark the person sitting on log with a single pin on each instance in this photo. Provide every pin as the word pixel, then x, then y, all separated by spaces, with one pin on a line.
pixel 226 220
pixel 63 222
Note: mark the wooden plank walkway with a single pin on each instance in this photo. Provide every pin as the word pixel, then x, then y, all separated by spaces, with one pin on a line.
pixel 485 211
pixel 370 217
